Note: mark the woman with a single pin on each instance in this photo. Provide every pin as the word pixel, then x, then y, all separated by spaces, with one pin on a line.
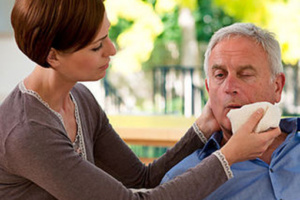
pixel 57 143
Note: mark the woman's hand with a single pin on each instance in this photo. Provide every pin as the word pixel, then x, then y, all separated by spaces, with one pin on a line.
pixel 245 144
pixel 206 122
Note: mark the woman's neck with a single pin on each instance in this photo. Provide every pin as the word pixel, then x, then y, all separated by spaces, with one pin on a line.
pixel 51 88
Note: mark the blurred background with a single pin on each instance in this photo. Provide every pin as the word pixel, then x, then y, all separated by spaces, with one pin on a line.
pixel 157 73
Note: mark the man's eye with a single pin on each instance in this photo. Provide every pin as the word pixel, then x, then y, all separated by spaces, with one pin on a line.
pixel 219 75
pixel 247 74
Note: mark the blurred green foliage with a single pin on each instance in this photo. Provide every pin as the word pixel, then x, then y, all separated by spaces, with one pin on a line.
pixel 209 18
pixel 116 30
pixel 171 35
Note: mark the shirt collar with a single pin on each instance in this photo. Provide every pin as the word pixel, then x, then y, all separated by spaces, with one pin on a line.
pixel 288 125
pixel 212 144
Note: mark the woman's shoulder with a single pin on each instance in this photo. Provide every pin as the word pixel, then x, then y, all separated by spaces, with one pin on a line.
pixel 21 109
pixel 13 107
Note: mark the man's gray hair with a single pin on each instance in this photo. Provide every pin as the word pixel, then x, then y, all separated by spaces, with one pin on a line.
pixel 263 37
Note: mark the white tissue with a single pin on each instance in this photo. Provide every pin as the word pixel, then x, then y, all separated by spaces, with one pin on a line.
pixel 270 119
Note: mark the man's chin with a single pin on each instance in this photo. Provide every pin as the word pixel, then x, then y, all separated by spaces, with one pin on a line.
pixel 226 129
pixel 227 124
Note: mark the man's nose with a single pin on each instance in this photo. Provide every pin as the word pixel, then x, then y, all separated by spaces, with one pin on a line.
pixel 231 84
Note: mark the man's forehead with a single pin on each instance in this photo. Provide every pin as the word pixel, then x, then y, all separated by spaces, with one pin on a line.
pixel 237 40
pixel 238 50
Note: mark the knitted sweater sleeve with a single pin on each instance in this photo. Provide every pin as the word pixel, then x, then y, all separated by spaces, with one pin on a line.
pixel 70 177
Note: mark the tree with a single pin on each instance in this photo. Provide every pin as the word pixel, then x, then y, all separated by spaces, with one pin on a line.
pixel 135 42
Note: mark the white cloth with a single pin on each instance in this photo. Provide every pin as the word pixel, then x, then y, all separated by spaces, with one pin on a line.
pixel 270 119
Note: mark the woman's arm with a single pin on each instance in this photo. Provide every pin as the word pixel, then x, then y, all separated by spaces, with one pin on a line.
pixel 47 158
pixel 122 163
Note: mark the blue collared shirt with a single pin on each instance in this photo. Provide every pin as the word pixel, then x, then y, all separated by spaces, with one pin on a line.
pixel 255 179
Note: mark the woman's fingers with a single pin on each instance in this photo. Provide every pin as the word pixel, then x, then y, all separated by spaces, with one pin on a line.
pixel 253 120
pixel 207 122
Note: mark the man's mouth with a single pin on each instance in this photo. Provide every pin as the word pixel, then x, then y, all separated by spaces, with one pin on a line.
pixel 234 106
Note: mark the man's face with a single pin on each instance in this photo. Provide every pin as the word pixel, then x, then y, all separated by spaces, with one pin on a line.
pixel 239 74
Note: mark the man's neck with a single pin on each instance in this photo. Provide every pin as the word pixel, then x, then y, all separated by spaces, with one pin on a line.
pixel 266 157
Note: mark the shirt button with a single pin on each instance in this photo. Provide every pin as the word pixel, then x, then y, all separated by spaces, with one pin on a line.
pixel 271 170
pixel 298 135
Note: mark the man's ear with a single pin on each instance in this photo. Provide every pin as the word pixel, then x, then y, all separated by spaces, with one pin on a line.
pixel 52 58
pixel 279 83
pixel 206 85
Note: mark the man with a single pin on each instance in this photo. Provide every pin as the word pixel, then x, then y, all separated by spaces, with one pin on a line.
pixel 243 66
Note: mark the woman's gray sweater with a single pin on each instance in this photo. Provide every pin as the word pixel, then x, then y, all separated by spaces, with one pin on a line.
pixel 38 162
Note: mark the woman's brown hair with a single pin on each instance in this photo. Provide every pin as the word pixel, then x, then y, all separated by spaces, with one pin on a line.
pixel 65 25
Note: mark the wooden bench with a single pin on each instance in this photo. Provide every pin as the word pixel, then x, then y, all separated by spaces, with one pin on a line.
pixel 162 131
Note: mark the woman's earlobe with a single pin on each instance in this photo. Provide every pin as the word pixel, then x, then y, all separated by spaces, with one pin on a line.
pixel 52 58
